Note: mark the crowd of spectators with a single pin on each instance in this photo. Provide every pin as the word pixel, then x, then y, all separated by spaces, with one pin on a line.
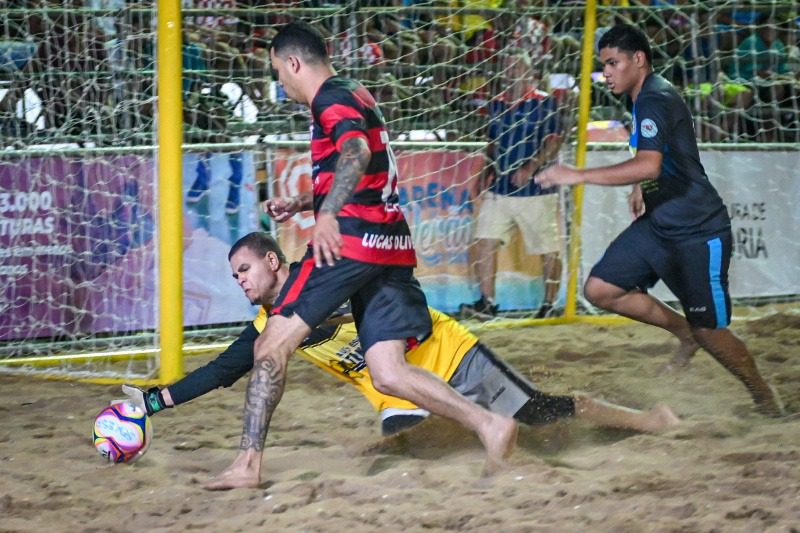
pixel 433 64
pixel 732 63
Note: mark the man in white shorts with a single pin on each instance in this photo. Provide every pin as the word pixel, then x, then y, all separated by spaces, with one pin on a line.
pixel 523 139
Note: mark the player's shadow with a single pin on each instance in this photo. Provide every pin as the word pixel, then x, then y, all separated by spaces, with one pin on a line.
pixel 438 438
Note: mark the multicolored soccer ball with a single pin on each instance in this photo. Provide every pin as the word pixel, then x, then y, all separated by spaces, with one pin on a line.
pixel 122 432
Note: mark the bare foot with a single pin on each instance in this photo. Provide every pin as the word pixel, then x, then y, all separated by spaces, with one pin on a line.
pixel 682 357
pixel 499 438
pixel 240 475
pixel 661 418
pixel 768 403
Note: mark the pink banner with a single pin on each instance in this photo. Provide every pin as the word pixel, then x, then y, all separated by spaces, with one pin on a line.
pixel 76 246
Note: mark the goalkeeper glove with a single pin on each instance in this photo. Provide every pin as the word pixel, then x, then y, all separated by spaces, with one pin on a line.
pixel 151 400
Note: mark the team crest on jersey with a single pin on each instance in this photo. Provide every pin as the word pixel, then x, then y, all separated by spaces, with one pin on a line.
pixel 649 128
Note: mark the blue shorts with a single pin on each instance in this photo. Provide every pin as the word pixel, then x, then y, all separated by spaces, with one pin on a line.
pixel 694 269
pixel 387 301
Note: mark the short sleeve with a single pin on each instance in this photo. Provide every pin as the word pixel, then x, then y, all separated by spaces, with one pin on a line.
pixel 342 120
pixel 652 123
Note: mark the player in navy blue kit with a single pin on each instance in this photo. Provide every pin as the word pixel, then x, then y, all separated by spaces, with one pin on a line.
pixel 681 233
pixel 360 250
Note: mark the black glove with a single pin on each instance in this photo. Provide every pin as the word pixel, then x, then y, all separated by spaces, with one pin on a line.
pixel 151 400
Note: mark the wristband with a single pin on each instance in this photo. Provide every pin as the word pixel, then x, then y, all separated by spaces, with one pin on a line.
pixel 154 401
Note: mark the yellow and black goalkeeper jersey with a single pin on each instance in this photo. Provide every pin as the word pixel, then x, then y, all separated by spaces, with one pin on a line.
pixel 335 348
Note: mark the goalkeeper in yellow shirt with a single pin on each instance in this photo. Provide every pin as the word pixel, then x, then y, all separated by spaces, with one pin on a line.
pixel 451 352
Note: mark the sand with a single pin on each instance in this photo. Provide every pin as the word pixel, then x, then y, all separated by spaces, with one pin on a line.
pixel 724 469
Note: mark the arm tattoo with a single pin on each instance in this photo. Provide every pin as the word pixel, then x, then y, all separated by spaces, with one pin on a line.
pixel 264 391
pixel 350 168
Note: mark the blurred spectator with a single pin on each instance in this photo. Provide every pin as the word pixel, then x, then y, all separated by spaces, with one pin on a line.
pixel 360 48
pixel 218 35
pixel 524 138
pixel 134 112
pixel 732 23
pixel 476 31
pixel 255 31
pixel 387 30
pixel 224 22
pixel 19 106
pixel 524 28
pixel 761 59
pixel 527 30
pixel 70 71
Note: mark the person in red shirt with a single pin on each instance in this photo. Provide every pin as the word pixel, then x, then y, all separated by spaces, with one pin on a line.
pixel 361 249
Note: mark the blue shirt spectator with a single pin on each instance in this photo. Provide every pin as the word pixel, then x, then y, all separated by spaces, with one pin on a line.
pixel 518 131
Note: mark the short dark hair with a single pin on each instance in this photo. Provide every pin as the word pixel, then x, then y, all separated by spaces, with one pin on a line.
pixel 259 243
pixel 628 39
pixel 302 38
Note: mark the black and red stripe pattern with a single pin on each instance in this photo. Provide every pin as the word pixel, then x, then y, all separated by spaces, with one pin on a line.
pixel 295 286
pixel 373 228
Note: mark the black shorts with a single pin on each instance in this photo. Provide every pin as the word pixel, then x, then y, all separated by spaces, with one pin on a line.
pixel 695 270
pixel 387 301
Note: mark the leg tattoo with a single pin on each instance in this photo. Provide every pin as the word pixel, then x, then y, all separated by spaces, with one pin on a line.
pixel 264 391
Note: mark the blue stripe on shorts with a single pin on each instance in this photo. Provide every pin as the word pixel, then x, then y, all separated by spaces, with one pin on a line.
pixel 715 275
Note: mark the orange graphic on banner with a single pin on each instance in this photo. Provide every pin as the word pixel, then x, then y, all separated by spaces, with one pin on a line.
pixel 436 191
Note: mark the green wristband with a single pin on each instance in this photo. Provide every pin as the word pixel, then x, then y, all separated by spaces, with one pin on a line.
pixel 154 401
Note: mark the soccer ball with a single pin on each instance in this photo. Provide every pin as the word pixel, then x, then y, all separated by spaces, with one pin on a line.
pixel 122 432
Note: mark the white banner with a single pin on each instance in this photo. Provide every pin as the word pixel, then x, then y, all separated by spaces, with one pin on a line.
pixel 224 209
pixel 762 193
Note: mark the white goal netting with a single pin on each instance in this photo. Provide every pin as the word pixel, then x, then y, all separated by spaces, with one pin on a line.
pixel 78 115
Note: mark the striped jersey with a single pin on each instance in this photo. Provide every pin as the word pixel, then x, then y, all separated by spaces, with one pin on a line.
pixel 372 225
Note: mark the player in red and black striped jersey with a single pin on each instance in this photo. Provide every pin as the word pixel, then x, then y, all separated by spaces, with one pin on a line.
pixel 360 250
pixel 373 228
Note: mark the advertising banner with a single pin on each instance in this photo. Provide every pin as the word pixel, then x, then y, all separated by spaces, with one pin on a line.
pixel 75 245
pixel 761 191
pixel 436 190
pixel 78 245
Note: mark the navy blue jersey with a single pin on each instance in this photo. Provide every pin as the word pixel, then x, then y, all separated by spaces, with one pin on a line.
pixel 372 226
pixel 518 130
pixel 682 201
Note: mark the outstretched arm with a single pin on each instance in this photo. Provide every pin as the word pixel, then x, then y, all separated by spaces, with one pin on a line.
pixel 645 165
pixel 223 371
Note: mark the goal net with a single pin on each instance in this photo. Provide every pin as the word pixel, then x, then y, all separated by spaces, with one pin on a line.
pixel 78 186
pixel 436 68
pixel 77 179
pixel 78 115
